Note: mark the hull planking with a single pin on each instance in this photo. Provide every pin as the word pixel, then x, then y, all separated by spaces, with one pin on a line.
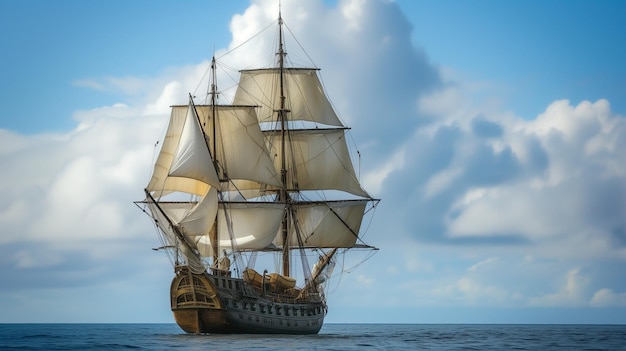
pixel 218 303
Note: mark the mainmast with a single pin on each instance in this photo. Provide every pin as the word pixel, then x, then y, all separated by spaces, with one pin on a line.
pixel 214 233
pixel 283 196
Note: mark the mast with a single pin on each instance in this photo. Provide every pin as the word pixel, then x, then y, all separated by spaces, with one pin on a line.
pixel 214 233
pixel 284 196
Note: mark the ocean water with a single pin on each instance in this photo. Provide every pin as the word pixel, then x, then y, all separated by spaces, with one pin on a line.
pixel 331 337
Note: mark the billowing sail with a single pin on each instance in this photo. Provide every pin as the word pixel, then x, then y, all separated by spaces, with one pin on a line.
pixel 244 226
pixel 305 97
pixel 185 166
pixel 184 163
pixel 329 225
pixel 193 158
pixel 241 152
pixel 241 226
pixel 193 218
pixel 318 159
pixel 171 218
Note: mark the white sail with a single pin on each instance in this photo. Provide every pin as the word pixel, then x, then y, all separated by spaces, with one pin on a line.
pixel 241 152
pixel 181 138
pixel 166 225
pixel 237 190
pixel 253 226
pixel 198 219
pixel 317 159
pixel 328 225
pixel 192 158
pixel 193 219
pixel 305 97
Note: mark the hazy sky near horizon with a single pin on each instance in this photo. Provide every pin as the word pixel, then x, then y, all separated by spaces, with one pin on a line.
pixel 493 131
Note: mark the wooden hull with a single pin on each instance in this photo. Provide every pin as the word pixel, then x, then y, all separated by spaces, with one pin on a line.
pixel 221 304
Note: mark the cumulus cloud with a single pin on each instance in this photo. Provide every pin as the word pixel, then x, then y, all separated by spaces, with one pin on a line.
pixel 607 297
pixel 479 174
pixel 550 187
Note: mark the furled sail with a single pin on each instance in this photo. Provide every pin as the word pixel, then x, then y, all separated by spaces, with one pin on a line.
pixel 305 95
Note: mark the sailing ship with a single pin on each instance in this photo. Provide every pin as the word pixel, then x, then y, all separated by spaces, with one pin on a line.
pixel 269 175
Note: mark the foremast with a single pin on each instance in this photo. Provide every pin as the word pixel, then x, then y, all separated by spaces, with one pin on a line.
pixel 213 119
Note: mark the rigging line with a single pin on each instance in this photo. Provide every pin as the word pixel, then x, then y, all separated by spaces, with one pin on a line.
pixel 340 278
pixel 225 54
pixel 161 213
pixel 300 45
pixel 354 144
pixel 298 88
pixel 305 263
pixel 231 233
pixel 356 235
pixel 367 258
pixel 266 100
pixel 228 74
pixel 333 145
pixel 164 242
pixel 156 153
pixel 202 79
pixel 319 75
pixel 371 218
pixel 271 24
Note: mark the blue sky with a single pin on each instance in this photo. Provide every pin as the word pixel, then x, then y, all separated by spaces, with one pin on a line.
pixel 493 131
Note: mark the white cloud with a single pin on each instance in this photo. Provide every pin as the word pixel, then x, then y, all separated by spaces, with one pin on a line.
pixel 374 179
pixel 416 265
pixel 353 11
pixel 90 83
pixel 571 293
pixel 555 179
pixel 607 297
pixel 480 293
pixel 171 93
pixel 441 180
pixel 488 261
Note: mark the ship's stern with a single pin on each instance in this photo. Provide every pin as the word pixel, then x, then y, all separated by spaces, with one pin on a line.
pixel 195 303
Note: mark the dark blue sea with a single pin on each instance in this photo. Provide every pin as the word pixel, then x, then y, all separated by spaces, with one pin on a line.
pixel 332 337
